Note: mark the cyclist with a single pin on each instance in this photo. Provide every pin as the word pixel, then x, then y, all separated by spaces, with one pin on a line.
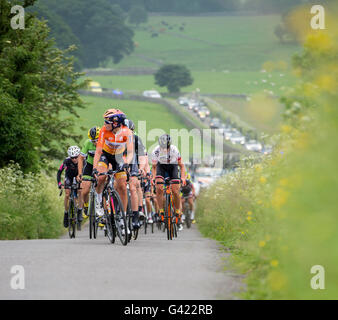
pixel 166 159
pixel 114 139
pixel 87 155
pixel 147 193
pixel 70 164
pixel 137 167
pixel 188 194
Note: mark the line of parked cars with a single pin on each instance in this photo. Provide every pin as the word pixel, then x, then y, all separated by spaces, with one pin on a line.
pixel 230 133
pixel 199 107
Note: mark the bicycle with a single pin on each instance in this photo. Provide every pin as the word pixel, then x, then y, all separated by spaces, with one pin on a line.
pixel 145 209
pixel 73 222
pixel 133 231
pixel 169 217
pixel 93 218
pixel 115 218
pixel 187 211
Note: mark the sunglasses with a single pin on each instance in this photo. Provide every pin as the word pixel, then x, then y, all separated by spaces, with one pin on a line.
pixel 74 157
pixel 95 140
pixel 110 122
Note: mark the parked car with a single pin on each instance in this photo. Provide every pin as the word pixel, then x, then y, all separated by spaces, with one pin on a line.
pixel 201 114
pixel 267 149
pixel 221 129
pixel 205 176
pixel 253 145
pixel 117 92
pixel 215 123
pixel 183 101
pixel 206 110
pixel 237 138
pixel 94 86
pixel 228 133
pixel 151 94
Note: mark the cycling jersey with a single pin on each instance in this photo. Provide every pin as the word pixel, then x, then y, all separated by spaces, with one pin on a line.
pixel 115 143
pixel 139 151
pixel 71 171
pixel 163 156
pixel 88 151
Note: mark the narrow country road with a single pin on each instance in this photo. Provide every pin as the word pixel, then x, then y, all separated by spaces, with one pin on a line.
pixel 189 267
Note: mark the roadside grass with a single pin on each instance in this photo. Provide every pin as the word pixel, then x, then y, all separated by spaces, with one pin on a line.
pixel 30 207
pixel 278 216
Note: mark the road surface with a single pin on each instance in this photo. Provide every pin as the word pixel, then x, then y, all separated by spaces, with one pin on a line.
pixel 189 267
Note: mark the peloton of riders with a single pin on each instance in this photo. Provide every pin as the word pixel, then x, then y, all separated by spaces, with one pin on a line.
pixel 117 146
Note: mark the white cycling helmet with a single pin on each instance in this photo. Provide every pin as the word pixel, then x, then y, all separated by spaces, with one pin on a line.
pixel 73 151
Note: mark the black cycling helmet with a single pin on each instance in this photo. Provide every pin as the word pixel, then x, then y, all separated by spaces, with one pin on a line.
pixel 164 141
pixel 93 133
pixel 130 124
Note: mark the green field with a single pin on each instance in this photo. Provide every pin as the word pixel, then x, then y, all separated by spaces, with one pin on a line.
pixel 225 82
pixel 151 119
pixel 241 108
pixel 226 55
pixel 241 43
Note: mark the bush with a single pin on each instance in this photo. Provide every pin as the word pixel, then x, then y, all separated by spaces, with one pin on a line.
pixel 30 207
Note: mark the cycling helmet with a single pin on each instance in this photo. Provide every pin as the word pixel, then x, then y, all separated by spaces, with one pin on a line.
pixel 164 141
pixel 93 133
pixel 130 124
pixel 115 117
pixel 73 151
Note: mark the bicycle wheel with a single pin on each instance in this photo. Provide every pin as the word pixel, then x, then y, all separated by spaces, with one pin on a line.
pixel 120 218
pixel 168 219
pixel 145 219
pixel 110 227
pixel 91 216
pixel 71 220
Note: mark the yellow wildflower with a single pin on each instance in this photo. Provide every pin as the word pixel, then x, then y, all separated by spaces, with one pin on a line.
pixel 277 280
pixel 262 180
pixel 249 213
pixel 249 218
pixel 274 263
pixel 279 198
pixel 261 243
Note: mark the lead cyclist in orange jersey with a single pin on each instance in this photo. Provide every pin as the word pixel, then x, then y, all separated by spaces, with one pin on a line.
pixel 114 139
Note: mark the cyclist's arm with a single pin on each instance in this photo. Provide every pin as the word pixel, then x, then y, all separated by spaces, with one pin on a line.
pixel 58 175
pixel 182 167
pixel 154 167
pixel 130 150
pixel 97 157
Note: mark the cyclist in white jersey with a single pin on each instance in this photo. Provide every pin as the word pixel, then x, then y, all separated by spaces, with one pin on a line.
pixel 166 159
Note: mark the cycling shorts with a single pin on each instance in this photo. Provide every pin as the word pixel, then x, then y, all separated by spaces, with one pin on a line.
pixel 167 171
pixel 88 170
pixel 107 158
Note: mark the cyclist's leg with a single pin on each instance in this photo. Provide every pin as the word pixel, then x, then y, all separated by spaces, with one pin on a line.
pixel 173 174
pixel 134 199
pixel 159 187
pixel 101 168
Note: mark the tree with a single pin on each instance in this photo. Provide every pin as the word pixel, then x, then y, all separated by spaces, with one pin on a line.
pixel 174 77
pixel 98 25
pixel 138 15
pixel 37 83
